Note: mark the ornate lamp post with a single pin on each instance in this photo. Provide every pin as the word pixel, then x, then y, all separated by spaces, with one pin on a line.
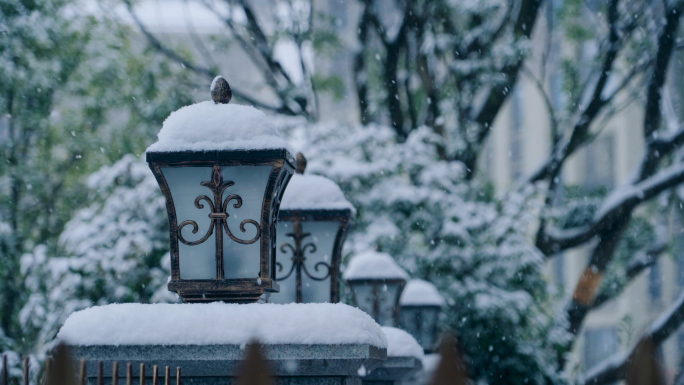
pixel 313 223
pixel 222 169
pixel 376 282
pixel 420 306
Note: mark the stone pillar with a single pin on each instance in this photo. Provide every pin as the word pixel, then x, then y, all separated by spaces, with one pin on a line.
pixel 302 343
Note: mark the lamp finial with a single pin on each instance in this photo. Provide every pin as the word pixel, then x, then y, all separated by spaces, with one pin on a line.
pixel 220 90
pixel 301 163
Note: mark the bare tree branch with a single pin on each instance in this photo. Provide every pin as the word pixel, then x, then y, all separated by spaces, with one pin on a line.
pixel 614 209
pixel 619 206
pixel 484 116
pixel 640 263
pixel 580 134
pixel 203 71
pixel 615 368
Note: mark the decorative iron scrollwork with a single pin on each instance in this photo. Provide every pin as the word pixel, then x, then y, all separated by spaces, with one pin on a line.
pixel 219 218
pixel 298 252
pixel 218 215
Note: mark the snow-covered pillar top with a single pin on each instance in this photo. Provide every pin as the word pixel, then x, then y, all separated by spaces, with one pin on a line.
pixel 314 221
pixel 376 282
pixel 223 169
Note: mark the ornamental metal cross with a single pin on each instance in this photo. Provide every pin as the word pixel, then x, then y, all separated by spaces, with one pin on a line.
pixel 299 259
pixel 219 217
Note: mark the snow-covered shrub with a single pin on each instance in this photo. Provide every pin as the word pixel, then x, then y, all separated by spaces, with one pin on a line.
pixel 115 250
pixel 474 246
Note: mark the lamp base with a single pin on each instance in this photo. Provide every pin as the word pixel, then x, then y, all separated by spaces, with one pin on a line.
pixel 229 291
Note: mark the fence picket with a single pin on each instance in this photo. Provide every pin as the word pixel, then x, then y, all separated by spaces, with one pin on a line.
pixel 451 369
pixel 115 373
pixel 82 373
pixel 59 371
pixel 26 370
pixel 5 371
pixel 253 369
pixel 100 374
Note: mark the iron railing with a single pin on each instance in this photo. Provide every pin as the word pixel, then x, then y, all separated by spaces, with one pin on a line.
pixel 57 374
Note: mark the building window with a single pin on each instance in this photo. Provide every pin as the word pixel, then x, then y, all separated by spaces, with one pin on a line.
pixel 655 283
pixel 599 164
pixel 558 266
pixel 338 9
pixel 599 344
pixel 516 135
pixel 680 254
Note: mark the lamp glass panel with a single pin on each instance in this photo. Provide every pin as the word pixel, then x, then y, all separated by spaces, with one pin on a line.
pixel 199 261
pixel 240 260
pixel 387 293
pixel 363 296
pixel 409 320
pixel 323 234
pixel 429 317
pixel 421 323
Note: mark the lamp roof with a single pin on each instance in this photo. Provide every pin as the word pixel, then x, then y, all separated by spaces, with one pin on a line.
pixel 208 126
pixel 374 265
pixel 418 292
pixel 314 192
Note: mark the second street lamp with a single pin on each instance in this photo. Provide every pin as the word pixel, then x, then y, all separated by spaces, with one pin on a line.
pixel 313 223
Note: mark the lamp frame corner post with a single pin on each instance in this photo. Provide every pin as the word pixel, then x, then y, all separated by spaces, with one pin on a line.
pixel 240 290
pixel 299 246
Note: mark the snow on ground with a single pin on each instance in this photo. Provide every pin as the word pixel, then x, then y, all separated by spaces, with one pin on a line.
pixel 373 264
pixel 314 192
pixel 221 323
pixel 207 126
pixel 421 293
pixel 401 344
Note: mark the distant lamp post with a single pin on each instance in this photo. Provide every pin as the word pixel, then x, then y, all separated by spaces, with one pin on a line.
pixel 420 306
pixel 222 169
pixel 376 282
pixel 313 223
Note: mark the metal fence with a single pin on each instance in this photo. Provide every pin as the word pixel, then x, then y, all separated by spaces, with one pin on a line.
pixel 63 375
pixel 59 370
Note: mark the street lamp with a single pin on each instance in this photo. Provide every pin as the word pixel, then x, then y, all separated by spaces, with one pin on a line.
pixel 420 305
pixel 312 225
pixel 376 282
pixel 222 169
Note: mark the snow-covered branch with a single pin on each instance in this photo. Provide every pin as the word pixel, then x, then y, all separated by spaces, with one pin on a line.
pixel 615 368
pixel 580 133
pixel 641 262
pixel 209 73
pixel 622 200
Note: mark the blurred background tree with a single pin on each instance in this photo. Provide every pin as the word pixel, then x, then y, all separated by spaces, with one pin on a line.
pixel 74 94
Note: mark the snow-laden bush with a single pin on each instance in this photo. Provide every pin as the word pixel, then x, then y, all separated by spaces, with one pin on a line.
pixel 474 246
pixel 114 250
